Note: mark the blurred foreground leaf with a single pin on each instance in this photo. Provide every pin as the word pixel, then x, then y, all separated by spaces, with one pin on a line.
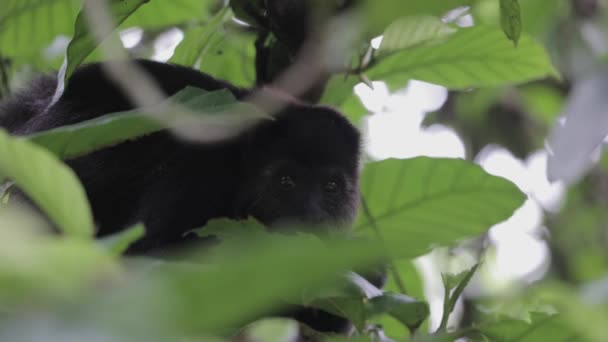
pixel 49 183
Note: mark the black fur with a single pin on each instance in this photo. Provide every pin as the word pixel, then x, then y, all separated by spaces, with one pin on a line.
pixel 302 167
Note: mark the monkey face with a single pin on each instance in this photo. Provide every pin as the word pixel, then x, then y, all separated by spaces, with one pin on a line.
pixel 302 168
pixel 288 191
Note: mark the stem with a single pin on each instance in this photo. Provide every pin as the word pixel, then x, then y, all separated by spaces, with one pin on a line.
pixel 4 83
pixel 391 264
pixel 446 310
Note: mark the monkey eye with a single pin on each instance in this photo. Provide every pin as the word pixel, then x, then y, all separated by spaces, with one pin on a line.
pixel 331 187
pixel 287 183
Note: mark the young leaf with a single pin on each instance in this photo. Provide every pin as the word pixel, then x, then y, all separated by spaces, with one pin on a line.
pixel 472 57
pixel 378 16
pixel 413 31
pixel 510 19
pixel 458 283
pixel 423 202
pixel 118 243
pixel 48 182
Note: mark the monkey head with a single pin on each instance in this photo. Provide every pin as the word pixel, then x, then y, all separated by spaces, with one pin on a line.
pixel 302 168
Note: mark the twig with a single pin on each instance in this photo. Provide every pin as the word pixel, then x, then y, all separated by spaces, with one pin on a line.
pixel 391 264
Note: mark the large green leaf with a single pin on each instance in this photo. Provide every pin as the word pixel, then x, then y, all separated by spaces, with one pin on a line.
pixel 215 108
pixel 211 297
pixel 424 202
pixel 49 183
pixel 378 15
pixel 472 57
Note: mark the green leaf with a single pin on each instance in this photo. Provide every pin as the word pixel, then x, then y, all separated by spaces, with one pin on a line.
pixel 457 283
pixel 48 182
pixel 425 202
pixel 378 16
pixel 510 19
pixel 27 28
pixel 542 327
pixel 118 243
pixel 339 93
pixel 407 310
pixel 78 139
pixel 412 31
pixel 273 330
pixel 199 40
pixel 36 266
pixel 229 230
pixel 84 41
pixel 231 59
pixel 274 273
pixel 472 57
pixel 219 108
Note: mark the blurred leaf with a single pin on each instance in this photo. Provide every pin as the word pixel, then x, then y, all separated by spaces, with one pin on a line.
pixel 407 310
pixel 510 19
pixel 215 110
pixel 542 327
pixel 582 320
pixel 572 143
pixel 28 27
pixel 118 243
pixel 273 330
pixel 537 16
pixel 423 202
pixel 472 57
pixel 192 299
pixel 229 230
pixel 413 31
pixel 232 58
pixel 49 183
pixel 85 41
pixel 543 102
pixel 36 267
pixel 339 93
pixel 199 40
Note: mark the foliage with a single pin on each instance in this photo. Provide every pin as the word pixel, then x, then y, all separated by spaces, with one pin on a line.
pixel 69 284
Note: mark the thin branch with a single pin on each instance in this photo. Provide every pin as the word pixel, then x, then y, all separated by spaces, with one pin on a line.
pixel 391 264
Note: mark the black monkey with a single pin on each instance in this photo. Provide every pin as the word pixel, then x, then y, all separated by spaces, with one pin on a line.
pixel 303 166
